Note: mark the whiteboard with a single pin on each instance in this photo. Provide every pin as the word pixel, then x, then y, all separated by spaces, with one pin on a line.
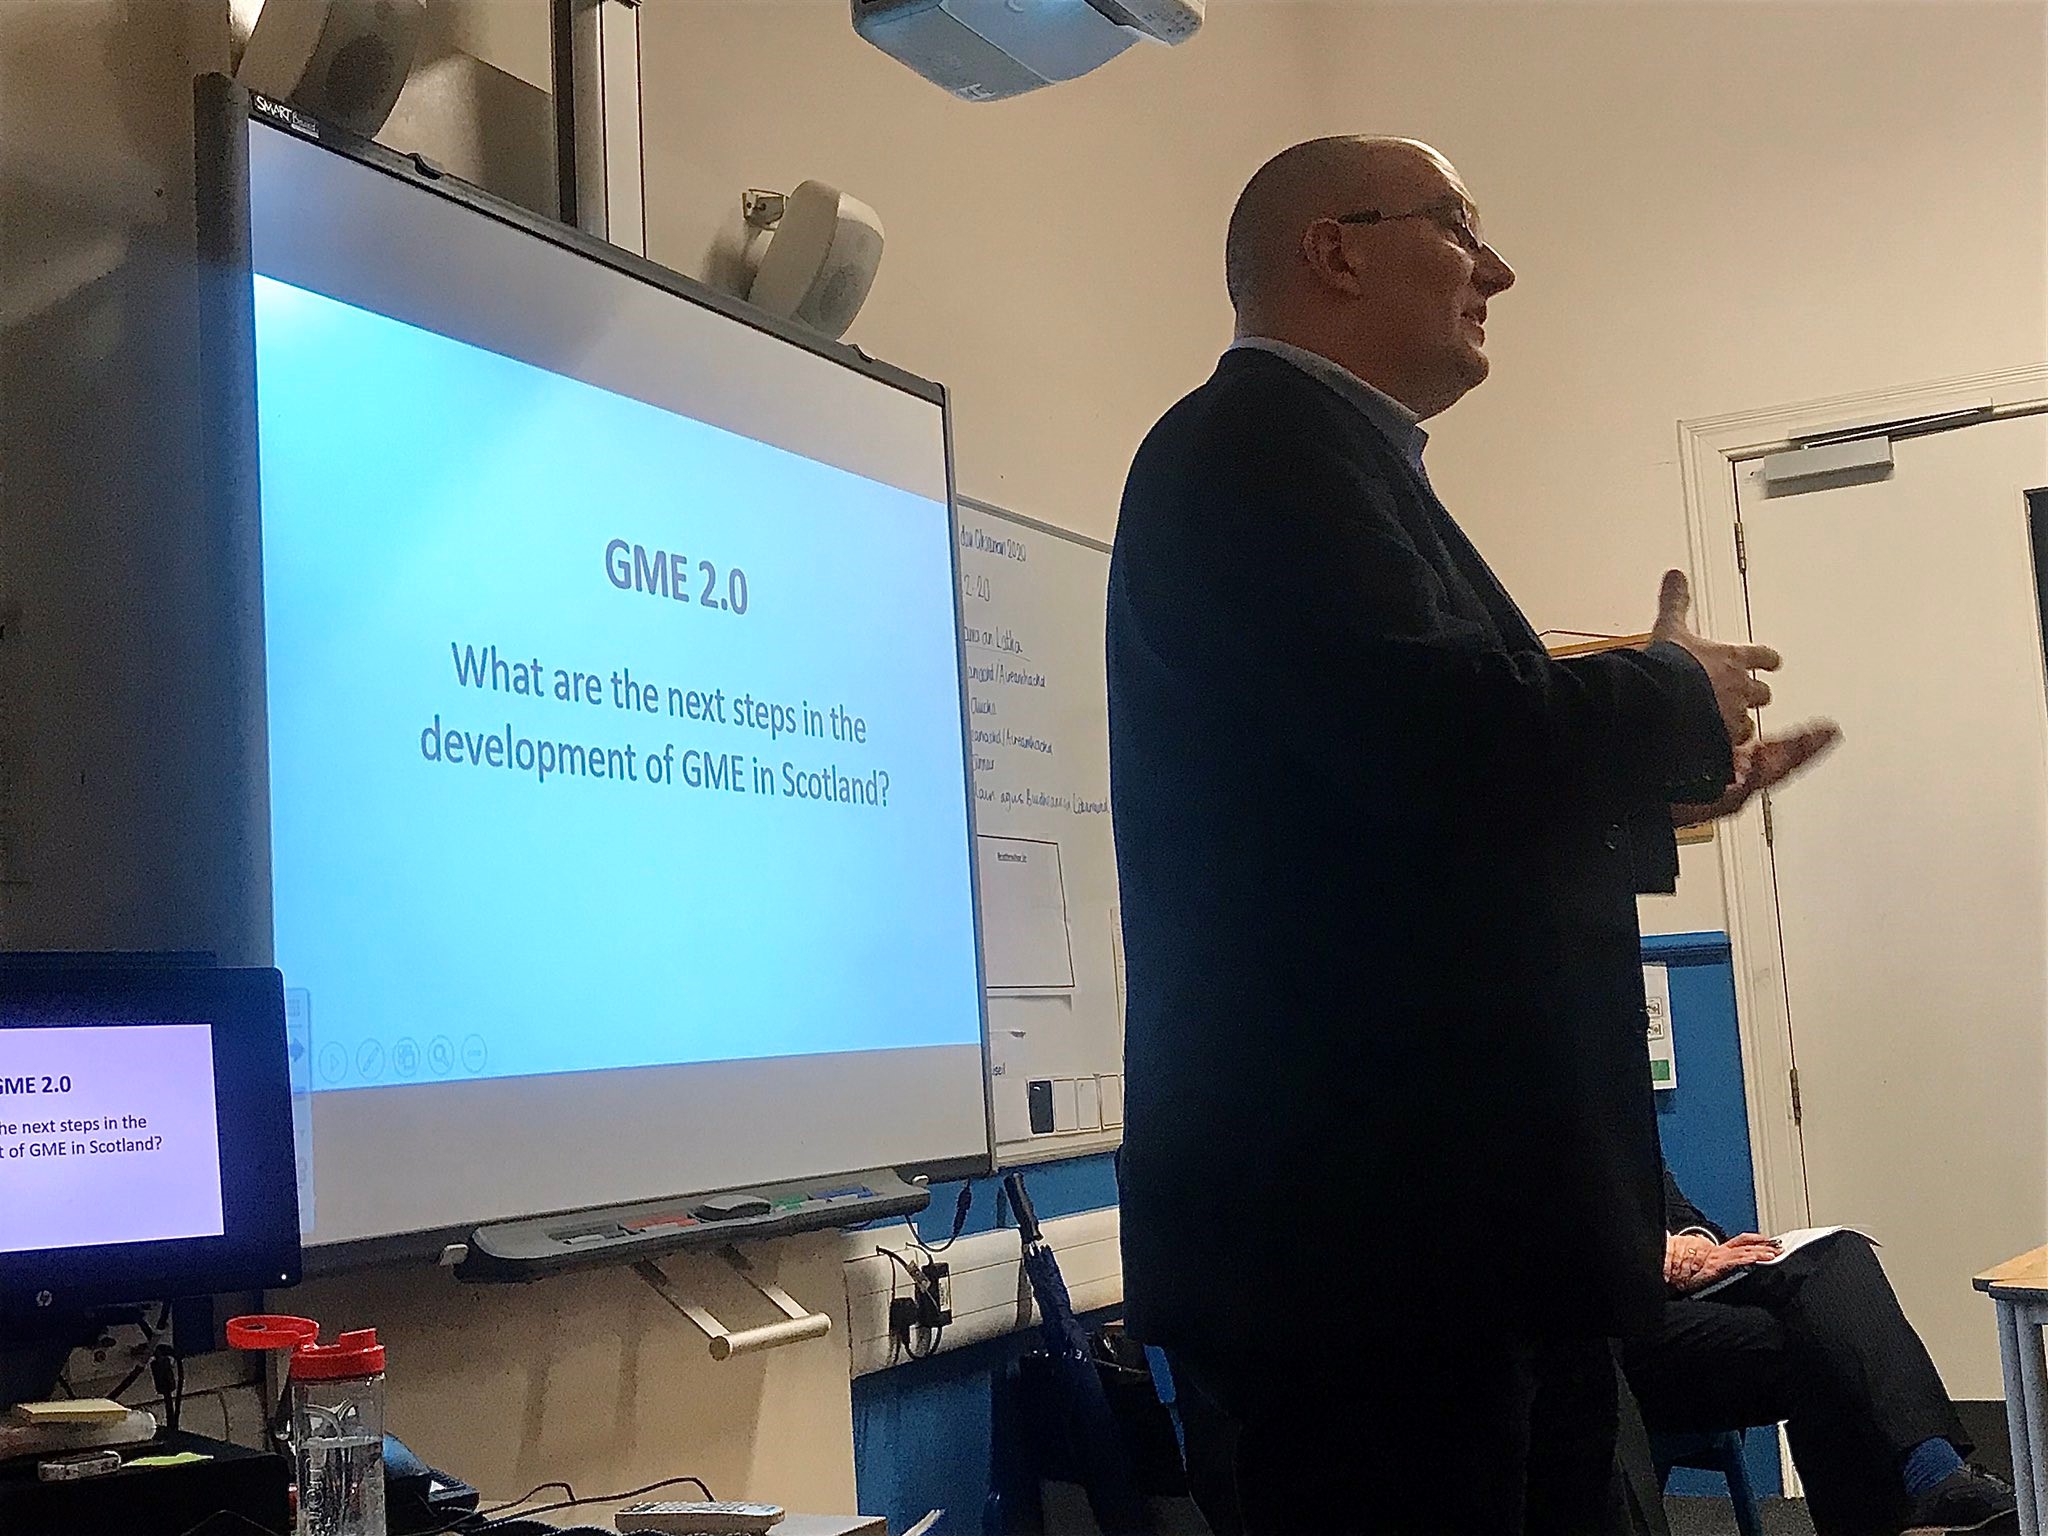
pixel 1032 612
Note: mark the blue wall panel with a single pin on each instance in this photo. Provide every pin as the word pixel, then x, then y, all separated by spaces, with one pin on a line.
pixel 1704 1124
pixel 922 1431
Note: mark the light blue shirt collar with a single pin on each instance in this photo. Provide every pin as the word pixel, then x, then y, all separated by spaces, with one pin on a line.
pixel 1396 422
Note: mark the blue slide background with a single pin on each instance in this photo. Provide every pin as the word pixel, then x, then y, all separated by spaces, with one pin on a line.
pixel 453 921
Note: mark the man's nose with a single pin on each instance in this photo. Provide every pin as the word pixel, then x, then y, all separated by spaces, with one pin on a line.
pixel 1491 275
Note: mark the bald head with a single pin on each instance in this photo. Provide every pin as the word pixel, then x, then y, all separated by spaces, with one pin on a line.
pixel 1317 179
pixel 1399 299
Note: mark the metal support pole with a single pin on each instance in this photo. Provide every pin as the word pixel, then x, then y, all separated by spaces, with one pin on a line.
pixel 596 71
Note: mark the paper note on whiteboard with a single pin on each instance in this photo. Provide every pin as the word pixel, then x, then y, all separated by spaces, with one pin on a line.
pixel 1025 946
pixel 1657 1008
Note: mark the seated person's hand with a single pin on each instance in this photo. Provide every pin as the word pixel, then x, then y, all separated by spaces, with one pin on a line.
pixel 1717 1261
pixel 1684 1254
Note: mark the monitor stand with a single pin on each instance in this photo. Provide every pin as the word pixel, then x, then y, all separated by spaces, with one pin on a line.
pixel 33 1350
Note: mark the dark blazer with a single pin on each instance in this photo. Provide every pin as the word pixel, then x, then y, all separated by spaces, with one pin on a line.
pixel 1378 856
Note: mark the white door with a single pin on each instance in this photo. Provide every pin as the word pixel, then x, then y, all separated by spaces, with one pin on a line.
pixel 1912 866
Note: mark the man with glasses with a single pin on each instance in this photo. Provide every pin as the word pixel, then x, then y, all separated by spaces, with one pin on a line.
pixel 1390 1174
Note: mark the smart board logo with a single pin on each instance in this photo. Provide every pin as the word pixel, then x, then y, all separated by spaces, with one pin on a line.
pixel 278 112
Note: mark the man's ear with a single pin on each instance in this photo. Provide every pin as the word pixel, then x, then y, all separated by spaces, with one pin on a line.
pixel 1329 261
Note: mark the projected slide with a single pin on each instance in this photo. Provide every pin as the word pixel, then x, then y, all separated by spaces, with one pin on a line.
pixel 107 1135
pixel 599 737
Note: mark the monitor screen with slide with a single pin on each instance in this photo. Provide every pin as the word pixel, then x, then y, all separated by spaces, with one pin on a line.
pixel 145 1120
pixel 619 800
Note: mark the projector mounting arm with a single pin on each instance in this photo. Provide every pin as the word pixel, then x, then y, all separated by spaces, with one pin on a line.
pixel 725 1342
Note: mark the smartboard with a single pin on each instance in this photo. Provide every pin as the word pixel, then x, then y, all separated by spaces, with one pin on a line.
pixel 656 825
pixel 1032 605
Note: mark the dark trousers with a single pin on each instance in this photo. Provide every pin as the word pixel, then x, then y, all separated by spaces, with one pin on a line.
pixel 1413 1437
pixel 1818 1342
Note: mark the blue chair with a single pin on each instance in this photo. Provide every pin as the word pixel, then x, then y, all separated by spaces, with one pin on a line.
pixel 1720 1453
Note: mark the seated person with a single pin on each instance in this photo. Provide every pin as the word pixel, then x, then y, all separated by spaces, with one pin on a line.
pixel 1819 1342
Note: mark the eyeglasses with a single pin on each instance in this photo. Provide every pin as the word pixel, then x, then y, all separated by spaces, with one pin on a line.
pixel 1454 219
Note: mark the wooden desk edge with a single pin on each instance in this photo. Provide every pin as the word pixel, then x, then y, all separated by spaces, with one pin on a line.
pixel 2025 1274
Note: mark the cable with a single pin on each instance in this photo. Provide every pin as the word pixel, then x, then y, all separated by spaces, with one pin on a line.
pixel 149 1349
pixel 961 1206
pixel 129 1380
pixel 896 1341
pixel 474 1521
pixel 526 1497
pixel 918 1281
pixel 167 1371
pixel 619 1498
pixel 219 1394
pixel 472 1524
pixel 481 1522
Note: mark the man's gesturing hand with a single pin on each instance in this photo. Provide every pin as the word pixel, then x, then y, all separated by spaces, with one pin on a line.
pixel 1728 667
pixel 1760 764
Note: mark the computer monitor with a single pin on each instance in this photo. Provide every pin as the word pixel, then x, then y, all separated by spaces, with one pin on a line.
pixel 145 1134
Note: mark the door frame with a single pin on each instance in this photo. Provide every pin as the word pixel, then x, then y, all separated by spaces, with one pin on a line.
pixel 1710 453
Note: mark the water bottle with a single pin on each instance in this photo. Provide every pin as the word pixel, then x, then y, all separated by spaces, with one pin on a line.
pixel 337 1434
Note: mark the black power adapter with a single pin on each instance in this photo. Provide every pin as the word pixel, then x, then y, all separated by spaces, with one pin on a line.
pixel 932 1312
pixel 924 1308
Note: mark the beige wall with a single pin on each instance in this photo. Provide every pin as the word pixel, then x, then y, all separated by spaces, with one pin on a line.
pixel 1713 206
pixel 478 100
pixel 101 513
pixel 592 1378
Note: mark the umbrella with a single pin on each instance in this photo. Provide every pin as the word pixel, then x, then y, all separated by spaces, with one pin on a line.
pixel 1089 1426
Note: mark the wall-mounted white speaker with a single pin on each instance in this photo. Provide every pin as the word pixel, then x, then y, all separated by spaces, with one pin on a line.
pixel 342 61
pixel 822 259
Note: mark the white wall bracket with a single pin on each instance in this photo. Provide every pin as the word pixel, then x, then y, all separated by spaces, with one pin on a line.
pixel 762 210
pixel 798 1323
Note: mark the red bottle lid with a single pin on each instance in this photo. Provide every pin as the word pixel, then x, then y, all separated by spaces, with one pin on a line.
pixel 271 1332
pixel 353 1354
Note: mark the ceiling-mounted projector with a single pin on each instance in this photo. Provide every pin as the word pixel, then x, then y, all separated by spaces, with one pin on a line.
pixel 984 50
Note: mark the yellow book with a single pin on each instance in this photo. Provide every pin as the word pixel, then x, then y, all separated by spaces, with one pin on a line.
pixel 72 1410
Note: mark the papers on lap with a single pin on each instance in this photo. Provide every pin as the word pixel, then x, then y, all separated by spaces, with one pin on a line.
pixel 1789 1243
